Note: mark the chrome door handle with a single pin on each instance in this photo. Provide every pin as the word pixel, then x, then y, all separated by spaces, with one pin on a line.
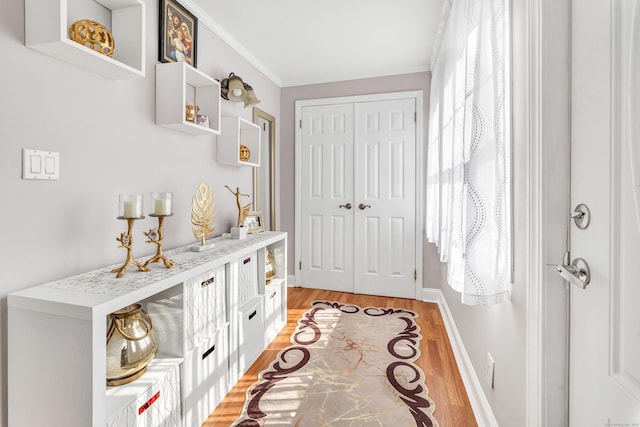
pixel 362 206
pixel 577 273
pixel 347 206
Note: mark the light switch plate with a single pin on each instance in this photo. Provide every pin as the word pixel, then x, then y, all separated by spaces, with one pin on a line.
pixel 38 164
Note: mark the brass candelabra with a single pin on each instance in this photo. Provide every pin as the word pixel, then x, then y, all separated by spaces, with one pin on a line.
pixel 126 241
pixel 155 235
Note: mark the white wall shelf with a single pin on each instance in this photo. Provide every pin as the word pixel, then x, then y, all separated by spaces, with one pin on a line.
pixel 46 30
pixel 237 131
pixel 56 334
pixel 177 84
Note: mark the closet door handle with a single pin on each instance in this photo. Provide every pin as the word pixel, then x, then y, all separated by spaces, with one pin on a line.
pixel 362 206
pixel 347 206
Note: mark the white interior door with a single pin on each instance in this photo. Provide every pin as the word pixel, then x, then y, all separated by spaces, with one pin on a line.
pixel 357 195
pixel 385 198
pixel 326 164
pixel 604 318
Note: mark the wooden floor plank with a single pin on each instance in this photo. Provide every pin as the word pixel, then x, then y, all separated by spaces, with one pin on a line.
pixel 437 361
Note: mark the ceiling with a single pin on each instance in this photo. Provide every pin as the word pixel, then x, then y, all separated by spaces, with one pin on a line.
pixel 299 42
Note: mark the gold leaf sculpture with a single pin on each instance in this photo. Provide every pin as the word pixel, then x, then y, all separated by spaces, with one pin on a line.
pixel 243 211
pixel 203 213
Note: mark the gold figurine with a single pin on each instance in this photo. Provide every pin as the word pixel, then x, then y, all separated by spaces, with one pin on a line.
pixel 203 213
pixel 243 211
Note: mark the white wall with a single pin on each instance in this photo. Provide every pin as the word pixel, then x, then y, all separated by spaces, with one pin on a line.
pixel 109 143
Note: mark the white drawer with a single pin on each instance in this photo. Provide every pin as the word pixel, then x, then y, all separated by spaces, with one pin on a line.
pixel 247 277
pixel 251 333
pixel 205 306
pixel 273 313
pixel 205 377
pixel 153 400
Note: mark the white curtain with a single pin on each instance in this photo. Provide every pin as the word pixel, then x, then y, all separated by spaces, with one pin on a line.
pixel 468 168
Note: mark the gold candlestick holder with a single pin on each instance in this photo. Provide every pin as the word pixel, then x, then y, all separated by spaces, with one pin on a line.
pixel 126 241
pixel 155 235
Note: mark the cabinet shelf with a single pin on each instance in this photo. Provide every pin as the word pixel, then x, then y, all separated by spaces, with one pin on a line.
pixel 237 131
pixel 47 35
pixel 177 84
pixel 68 318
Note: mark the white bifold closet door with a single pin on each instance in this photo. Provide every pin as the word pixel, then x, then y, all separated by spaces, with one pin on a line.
pixel 358 225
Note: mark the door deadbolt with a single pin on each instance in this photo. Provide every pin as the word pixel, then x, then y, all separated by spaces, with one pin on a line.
pixel 581 216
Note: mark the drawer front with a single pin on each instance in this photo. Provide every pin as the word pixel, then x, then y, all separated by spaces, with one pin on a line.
pixel 206 377
pixel 247 277
pixel 205 306
pixel 158 405
pixel 272 311
pixel 252 332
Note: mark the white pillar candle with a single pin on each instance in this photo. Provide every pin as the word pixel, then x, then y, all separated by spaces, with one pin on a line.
pixel 130 206
pixel 162 203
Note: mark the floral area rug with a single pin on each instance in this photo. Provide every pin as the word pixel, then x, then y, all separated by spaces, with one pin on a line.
pixel 347 366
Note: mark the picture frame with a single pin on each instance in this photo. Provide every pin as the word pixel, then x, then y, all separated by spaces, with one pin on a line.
pixel 254 222
pixel 202 120
pixel 178 34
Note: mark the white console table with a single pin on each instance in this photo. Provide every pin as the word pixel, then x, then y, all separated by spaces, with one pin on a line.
pixel 57 333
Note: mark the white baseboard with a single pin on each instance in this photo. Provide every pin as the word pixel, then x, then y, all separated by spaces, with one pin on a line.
pixel 479 403
pixel 291 281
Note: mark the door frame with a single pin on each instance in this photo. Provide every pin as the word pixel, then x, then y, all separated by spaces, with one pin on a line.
pixel 417 95
pixel 541 112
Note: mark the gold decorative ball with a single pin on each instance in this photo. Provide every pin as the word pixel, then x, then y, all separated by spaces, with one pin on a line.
pixel 245 153
pixel 93 35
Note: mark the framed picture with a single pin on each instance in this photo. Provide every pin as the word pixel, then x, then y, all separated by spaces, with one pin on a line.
pixel 178 33
pixel 202 120
pixel 254 222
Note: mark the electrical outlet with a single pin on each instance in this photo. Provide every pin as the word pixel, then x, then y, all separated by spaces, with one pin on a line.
pixel 489 369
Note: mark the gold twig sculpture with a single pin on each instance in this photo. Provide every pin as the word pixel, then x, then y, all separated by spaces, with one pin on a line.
pixel 203 213
pixel 243 211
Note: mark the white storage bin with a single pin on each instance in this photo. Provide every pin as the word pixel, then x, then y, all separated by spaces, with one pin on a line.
pixel 251 333
pixel 205 306
pixel 273 313
pixel 247 277
pixel 205 377
pixel 153 400
pixel 168 324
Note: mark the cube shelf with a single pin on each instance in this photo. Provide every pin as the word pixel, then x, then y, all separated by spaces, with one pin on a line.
pixel 46 34
pixel 237 131
pixel 179 84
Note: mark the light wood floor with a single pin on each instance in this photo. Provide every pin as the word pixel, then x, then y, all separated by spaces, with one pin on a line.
pixel 437 361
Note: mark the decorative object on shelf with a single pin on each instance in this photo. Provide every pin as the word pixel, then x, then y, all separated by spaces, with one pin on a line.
pixel 202 120
pixel 243 211
pixel 245 153
pixel 190 112
pixel 162 207
pixel 239 233
pixel 131 344
pixel 233 88
pixel 93 35
pixel 178 33
pixel 203 214
pixel 254 222
pixel 129 209
pixel 270 266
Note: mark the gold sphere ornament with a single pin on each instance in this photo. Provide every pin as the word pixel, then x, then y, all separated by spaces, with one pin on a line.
pixel 245 153
pixel 93 35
